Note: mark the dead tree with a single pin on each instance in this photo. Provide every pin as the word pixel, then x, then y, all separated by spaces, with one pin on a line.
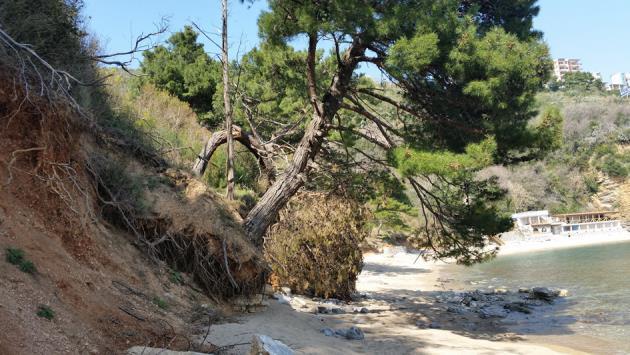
pixel 227 104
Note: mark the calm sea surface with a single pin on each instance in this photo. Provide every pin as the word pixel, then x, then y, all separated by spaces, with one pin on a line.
pixel 598 280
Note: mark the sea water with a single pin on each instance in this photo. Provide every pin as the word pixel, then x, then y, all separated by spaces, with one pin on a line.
pixel 597 278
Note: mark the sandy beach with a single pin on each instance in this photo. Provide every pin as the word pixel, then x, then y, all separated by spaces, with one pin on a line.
pixel 399 291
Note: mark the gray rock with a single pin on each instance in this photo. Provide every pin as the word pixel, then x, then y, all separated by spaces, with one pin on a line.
pixel 282 299
pixel 328 332
pixel 355 333
pixel 265 345
pixel 337 310
pixel 542 293
pixel 341 332
pixel 455 309
pixel 360 310
pixel 143 350
pixel 435 325
pixel 524 290
pixel 518 307
pixel 322 309
pixel 494 311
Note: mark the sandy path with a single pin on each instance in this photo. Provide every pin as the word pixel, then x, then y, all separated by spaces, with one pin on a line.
pixel 397 297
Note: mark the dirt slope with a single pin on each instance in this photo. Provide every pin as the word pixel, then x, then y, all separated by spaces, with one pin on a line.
pixel 106 293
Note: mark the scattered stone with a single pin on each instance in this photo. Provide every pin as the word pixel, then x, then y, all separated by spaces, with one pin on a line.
pixel 542 293
pixel 341 332
pixel 454 309
pixel 355 333
pixel 282 299
pixel 322 309
pixel 518 307
pixel 143 350
pixel 524 290
pixel 493 311
pixel 328 332
pixel 500 291
pixel 435 325
pixel 265 345
pixel 337 310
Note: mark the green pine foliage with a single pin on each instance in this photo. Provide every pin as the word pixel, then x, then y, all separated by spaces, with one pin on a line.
pixel 185 70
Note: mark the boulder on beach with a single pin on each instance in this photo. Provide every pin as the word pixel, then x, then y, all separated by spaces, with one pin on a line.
pixel 265 345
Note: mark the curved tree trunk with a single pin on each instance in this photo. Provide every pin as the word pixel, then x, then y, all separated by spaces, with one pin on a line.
pixel 264 214
pixel 248 140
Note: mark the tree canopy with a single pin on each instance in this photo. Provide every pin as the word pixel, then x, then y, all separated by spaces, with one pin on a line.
pixel 580 82
pixel 185 70
pixel 459 96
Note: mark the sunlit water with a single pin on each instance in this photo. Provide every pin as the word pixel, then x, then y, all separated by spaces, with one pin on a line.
pixel 598 280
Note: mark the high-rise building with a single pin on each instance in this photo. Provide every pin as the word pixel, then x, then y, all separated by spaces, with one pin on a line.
pixel 562 66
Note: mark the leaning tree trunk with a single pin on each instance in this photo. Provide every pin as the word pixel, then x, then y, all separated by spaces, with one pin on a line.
pixel 265 212
pixel 227 105
pixel 249 141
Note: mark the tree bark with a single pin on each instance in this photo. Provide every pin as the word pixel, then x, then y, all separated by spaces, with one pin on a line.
pixel 227 105
pixel 265 213
pixel 250 142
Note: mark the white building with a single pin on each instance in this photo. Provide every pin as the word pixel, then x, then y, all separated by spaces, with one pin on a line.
pixel 540 222
pixel 619 80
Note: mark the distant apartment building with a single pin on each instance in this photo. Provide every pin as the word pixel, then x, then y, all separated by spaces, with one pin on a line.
pixel 562 66
pixel 619 80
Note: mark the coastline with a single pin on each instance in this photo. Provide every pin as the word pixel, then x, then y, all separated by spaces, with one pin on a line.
pixel 406 298
pixel 515 243
pixel 399 292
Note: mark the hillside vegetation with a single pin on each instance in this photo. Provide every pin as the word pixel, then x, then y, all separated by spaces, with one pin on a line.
pixel 596 134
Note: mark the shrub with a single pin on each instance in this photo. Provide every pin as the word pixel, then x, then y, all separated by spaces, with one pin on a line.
pixel 44 311
pixel 592 185
pixel 28 267
pixel 314 248
pixel 160 302
pixel 16 257
pixel 615 168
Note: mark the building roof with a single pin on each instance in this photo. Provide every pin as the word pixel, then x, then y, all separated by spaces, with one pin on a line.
pixel 584 213
pixel 543 213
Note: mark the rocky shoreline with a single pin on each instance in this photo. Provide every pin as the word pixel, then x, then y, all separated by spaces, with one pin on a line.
pixel 499 303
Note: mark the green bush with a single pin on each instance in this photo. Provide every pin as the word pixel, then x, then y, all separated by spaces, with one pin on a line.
pixel 160 302
pixel 314 248
pixel 16 257
pixel 614 167
pixel 591 183
pixel 44 311
pixel 28 267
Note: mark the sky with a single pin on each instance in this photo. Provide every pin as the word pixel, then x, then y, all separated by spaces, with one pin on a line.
pixel 595 32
